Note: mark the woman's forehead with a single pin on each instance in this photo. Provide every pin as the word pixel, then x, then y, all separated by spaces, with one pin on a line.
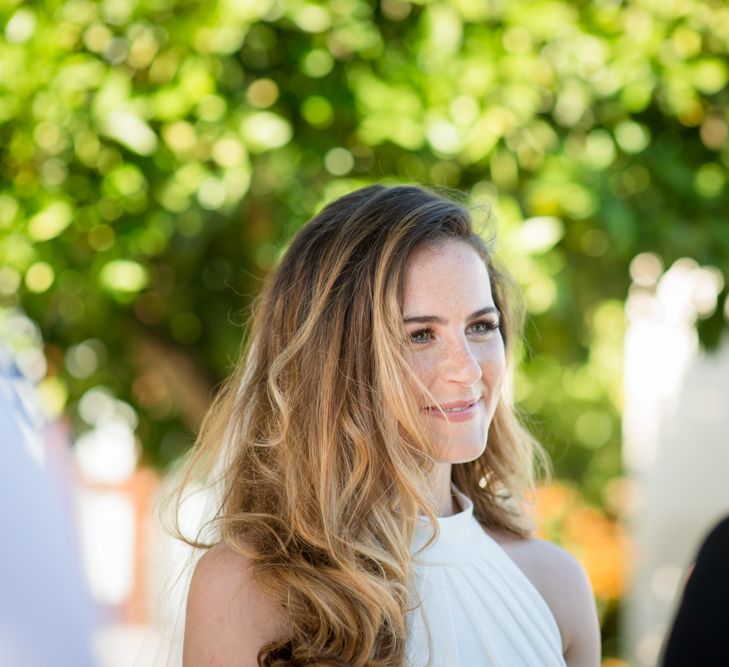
pixel 447 273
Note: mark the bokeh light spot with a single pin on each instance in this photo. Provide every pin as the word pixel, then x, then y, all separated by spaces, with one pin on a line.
pixel 539 234
pixel 83 360
pixel 8 209
pixel 317 111
pixel 39 277
pixel 709 180
pixel 595 243
pixel 593 428
pixel 645 269
pixel 264 131
pixel 317 63
pixel 180 136
pixel 632 137
pixel 312 18
pixel 21 26
pixel 9 280
pixel 101 237
pixel 211 108
pixel 53 395
pixel 262 93
pixel 338 161
pixel 124 275
pixel 229 152
pixel 50 222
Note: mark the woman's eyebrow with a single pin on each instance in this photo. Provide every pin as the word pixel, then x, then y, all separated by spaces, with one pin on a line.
pixel 434 319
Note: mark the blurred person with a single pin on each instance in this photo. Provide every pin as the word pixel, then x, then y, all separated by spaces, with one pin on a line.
pixel 699 636
pixel 45 612
pixel 373 471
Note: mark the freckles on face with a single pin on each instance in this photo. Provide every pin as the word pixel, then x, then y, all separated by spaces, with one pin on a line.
pixel 455 348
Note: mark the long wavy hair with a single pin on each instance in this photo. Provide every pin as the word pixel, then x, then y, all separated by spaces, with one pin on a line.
pixel 326 455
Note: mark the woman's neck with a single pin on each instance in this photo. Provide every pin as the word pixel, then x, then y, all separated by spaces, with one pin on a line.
pixel 445 503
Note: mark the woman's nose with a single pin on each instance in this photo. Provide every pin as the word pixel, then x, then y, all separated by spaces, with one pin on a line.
pixel 461 364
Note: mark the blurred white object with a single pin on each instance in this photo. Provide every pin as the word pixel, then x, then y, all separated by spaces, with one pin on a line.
pixel 675 426
pixel 45 613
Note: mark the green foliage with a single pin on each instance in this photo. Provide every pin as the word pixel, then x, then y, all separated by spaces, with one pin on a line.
pixel 156 156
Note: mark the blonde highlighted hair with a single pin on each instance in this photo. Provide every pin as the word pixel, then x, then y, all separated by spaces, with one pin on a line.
pixel 326 457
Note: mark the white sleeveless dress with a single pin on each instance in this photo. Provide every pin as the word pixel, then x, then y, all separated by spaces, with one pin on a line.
pixel 479 608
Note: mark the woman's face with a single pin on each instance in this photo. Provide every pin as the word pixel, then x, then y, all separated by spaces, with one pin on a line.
pixel 455 348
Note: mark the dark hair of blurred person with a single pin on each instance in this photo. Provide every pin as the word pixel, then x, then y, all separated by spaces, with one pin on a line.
pixel 699 636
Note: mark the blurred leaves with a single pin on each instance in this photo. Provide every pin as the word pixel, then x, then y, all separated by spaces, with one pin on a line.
pixel 156 156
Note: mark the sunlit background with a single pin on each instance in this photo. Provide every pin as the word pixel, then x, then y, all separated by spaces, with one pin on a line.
pixel 156 156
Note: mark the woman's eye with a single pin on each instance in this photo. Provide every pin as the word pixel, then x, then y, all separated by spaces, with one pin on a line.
pixel 421 336
pixel 484 326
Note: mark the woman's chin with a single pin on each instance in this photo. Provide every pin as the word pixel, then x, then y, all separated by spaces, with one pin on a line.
pixel 460 443
pixel 462 452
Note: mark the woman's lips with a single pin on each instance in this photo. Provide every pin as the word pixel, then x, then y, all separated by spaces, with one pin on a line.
pixel 459 411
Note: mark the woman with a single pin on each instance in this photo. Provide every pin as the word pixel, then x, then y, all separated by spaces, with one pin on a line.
pixel 365 518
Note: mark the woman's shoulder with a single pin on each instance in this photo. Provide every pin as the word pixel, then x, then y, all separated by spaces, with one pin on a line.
pixel 547 565
pixel 228 616
pixel 563 584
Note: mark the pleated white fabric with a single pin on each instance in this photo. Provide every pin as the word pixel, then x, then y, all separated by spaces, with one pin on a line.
pixel 478 608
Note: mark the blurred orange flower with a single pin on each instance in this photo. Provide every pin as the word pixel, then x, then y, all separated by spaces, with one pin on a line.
pixel 596 539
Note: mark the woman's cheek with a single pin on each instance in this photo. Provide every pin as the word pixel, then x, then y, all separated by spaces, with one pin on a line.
pixel 494 352
pixel 423 366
